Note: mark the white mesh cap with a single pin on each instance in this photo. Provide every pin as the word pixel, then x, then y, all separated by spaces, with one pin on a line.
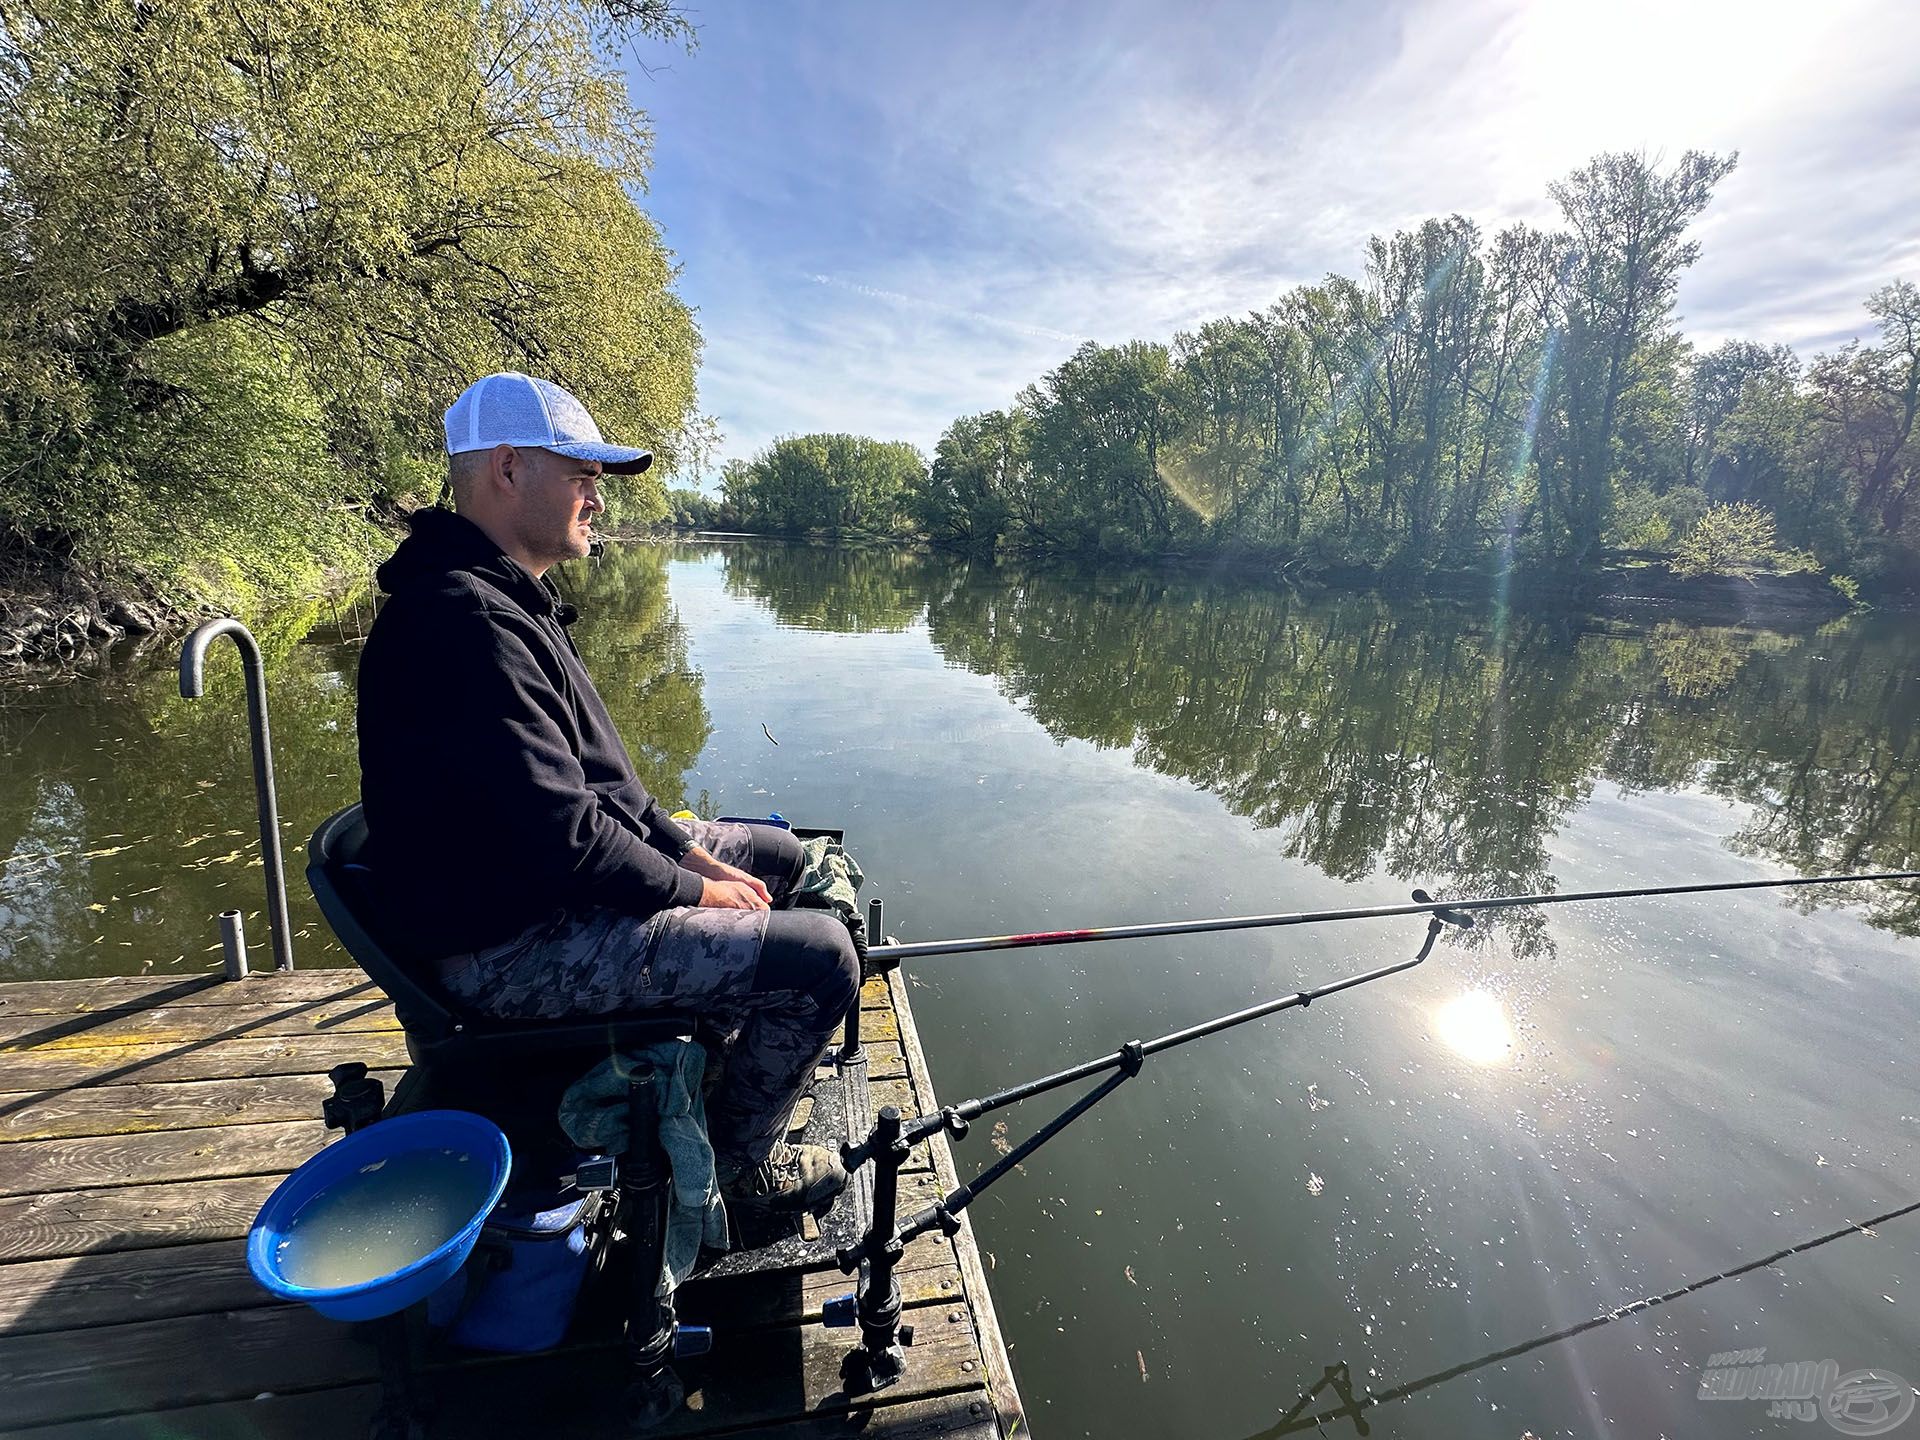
pixel 514 409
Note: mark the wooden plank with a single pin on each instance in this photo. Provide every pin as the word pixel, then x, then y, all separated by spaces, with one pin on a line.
pixel 130 1109
pixel 885 1060
pixel 963 1415
pixel 332 1413
pixel 116 1369
pixel 894 1092
pixel 89 1222
pixel 928 1274
pixel 158 1156
pixel 211 1059
pixel 879 1027
pixel 69 997
pixel 77 1291
pixel 998 1364
pixel 757 1377
pixel 80 1291
pixel 153 1025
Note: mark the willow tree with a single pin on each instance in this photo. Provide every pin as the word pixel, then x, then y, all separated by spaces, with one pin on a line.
pixel 254 247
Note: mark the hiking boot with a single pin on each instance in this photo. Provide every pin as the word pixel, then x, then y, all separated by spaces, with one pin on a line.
pixel 793 1180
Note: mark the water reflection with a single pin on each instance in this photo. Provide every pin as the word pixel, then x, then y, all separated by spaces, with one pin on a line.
pixel 1474 1026
pixel 1373 735
pixel 126 813
pixel 1418 739
pixel 816 587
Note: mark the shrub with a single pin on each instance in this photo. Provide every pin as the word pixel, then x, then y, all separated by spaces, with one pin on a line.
pixel 1736 539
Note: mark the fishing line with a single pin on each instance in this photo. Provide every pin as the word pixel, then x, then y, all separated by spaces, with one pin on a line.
pixel 876 1304
pixel 1292 1424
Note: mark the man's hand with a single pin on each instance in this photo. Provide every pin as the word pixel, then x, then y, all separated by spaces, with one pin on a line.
pixel 733 894
pixel 726 886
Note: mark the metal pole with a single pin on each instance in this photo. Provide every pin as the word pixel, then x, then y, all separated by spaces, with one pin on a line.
pixel 878 1360
pixel 955 1118
pixel 923 948
pixel 192 686
pixel 233 945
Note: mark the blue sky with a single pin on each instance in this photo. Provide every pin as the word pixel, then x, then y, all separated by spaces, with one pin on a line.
pixel 890 215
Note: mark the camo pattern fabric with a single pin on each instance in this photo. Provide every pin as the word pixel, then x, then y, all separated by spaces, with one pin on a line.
pixel 600 962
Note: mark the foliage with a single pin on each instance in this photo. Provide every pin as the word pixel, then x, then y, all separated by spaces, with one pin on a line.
pixel 258 248
pixel 838 483
pixel 1467 401
pixel 1736 539
pixel 690 509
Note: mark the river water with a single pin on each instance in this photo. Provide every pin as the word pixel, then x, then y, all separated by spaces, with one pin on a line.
pixel 1556 1116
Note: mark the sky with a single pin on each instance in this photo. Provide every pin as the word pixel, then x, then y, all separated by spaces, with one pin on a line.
pixel 889 215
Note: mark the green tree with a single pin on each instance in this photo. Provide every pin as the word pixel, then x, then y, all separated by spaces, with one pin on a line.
pixel 839 483
pixel 979 461
pixel 334 212
pixel 1616 282
pixel 1866 402
pixel 1736 539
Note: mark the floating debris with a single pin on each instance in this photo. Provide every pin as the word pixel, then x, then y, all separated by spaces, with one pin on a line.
pixel 1315 1100
pixel 1129 1274
pixel 1315 1184
pixel 1141 1357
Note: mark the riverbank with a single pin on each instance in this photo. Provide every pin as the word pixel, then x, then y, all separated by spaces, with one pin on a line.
pixel 54 628
pixel 1636 585
pixel 43 626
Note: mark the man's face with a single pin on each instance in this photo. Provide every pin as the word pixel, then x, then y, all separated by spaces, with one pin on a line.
pixel 555 500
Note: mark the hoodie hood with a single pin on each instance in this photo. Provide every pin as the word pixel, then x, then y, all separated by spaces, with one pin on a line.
pixel 441 544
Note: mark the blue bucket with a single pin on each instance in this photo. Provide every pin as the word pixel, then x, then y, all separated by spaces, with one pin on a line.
pixel 454 1133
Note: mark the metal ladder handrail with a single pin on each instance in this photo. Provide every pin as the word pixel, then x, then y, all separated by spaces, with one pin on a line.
pixel 192 686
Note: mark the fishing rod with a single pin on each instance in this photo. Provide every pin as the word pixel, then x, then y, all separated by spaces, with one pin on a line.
pixel 876 1305
pixel 1425 904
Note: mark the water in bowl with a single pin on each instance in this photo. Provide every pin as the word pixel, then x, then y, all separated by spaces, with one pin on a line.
pixel 387 1215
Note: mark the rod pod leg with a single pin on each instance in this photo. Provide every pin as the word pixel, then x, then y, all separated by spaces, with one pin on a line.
pixel 654 1391
pixel 879 1359
pixel 405 1408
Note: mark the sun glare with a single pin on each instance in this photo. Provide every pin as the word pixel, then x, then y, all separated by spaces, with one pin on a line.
pixel 1474 1026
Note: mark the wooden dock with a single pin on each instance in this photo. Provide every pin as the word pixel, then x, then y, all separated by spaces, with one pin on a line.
pixel 144 1121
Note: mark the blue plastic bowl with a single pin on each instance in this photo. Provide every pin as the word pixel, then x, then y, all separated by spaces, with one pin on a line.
pixel 337 1165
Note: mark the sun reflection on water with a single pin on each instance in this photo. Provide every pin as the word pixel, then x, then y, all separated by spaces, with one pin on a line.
pixel 1475 1027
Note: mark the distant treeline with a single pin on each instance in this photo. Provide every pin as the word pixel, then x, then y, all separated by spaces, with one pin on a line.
pixel 1463 403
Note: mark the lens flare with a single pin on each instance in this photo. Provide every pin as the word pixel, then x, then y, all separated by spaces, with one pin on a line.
pixel 1475 1027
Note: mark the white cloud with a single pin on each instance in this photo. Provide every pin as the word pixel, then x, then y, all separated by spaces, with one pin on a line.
pixel 894 216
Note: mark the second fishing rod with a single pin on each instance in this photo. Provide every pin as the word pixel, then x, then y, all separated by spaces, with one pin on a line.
pixel 876 1304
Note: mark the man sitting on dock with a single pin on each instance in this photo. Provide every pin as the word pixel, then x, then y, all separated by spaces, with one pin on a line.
pixel 517 854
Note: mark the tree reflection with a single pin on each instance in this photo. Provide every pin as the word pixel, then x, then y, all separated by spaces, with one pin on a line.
pixel 635 647
pixel 811 587
pixel 1421 740
pixel 1426 741
pixel 126 813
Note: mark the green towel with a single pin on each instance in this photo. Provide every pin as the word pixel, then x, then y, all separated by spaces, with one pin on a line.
pixel 831 875
pixel 594 1113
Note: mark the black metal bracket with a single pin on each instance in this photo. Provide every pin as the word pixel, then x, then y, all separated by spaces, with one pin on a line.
pixel 357 1100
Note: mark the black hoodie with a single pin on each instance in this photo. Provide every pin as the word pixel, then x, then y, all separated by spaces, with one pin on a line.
pixel 497 790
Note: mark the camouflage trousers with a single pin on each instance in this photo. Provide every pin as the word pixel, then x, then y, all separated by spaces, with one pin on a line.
pixel 782 978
